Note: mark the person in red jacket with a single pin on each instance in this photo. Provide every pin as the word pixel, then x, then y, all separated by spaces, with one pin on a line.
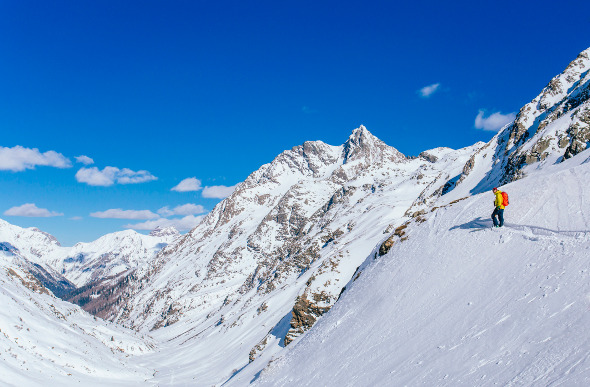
pixel 499 208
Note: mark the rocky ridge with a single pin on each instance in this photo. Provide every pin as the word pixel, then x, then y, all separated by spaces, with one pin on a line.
pixel 551 128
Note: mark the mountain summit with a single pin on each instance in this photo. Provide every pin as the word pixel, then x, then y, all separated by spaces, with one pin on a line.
pixel 362 145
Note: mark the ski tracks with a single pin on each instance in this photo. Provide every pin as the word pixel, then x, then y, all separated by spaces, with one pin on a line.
pixel 535 233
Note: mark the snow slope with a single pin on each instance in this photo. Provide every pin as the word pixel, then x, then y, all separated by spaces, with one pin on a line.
pixel 46 341
pixel 459 303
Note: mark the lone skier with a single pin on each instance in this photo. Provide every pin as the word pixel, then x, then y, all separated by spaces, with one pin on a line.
pixel 498 214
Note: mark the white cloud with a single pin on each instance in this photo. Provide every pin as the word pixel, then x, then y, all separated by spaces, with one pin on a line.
pixel 218 191
pixel 18 159
pixel 181 224
pixel 31 210
pixel 94 176
pixel 84 160
pixel 166 211
pixel 427 91
pixel 117 213
pixel 127 176
pixel 111 175
pixel 185 209
pixel 494 122
pixel 188 184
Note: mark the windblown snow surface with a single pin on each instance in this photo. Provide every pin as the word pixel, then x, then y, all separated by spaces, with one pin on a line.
pixel 460 303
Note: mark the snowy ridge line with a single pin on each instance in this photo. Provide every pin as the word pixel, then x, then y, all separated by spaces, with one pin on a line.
pixel 480 224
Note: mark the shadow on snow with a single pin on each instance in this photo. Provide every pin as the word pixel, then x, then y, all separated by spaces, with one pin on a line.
pixel 483 224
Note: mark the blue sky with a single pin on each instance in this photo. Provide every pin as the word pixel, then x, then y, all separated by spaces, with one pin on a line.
pixel 153 93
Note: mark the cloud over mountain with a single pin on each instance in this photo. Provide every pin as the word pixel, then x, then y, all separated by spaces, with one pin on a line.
pixel 117 213
pixel 182 224
pixel 493 122
pixel 185 209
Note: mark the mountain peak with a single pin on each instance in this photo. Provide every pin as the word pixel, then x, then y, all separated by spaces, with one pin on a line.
pixel 363 144
pixel 49 237
pixel 361 134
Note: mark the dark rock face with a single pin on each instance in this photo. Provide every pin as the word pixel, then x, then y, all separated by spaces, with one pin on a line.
pixel 578 135
pixel 305 314
pixel 55 282
pixel 565 94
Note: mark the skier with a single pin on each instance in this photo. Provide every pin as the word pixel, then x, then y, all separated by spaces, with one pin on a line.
pixel 499 208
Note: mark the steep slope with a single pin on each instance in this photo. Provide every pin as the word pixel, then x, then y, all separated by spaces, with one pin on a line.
pixel 459 303
pixel 46 341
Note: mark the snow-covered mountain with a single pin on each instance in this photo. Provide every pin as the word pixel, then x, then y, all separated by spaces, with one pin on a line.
pixel 459 303
pixel 110 255
pixel 33 246
pixel 271 259
pixel 363 224
pixel 268 261
pixel 501 288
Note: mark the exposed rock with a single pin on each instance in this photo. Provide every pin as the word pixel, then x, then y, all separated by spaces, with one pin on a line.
pixel 29 281
pixel 305 313
pixel 257 349
pixel 398 234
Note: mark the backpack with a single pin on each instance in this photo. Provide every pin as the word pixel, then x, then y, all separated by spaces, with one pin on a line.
pixel 505 201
